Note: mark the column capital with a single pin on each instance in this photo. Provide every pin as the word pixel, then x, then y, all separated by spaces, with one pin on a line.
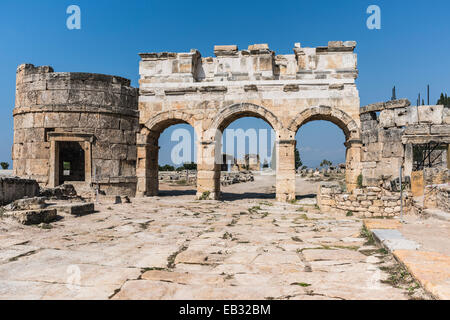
pixel 353 143
pixel 206 142
pixel 286 141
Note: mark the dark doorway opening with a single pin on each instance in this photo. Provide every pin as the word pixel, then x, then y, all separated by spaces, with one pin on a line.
pixel 71 162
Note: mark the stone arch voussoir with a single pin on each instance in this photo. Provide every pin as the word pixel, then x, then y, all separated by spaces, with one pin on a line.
pixel 222 118
pixel 162 120
pixel 337 116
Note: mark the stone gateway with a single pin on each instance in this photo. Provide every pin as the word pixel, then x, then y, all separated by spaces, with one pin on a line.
pixel 98 131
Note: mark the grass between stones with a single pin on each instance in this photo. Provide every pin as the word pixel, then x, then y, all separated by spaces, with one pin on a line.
pixel 173 256
pixel 365 233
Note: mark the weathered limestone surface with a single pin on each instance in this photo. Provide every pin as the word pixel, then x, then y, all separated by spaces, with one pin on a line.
pixel 388 137
pixel 13 188
pixel 209 93
pixel 30 217
pixel 365 203
pixel 98 112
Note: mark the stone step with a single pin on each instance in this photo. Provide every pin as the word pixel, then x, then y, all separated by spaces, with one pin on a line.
pixel 75 209
pixel 438 214
pixel 393 240
pixel 30 217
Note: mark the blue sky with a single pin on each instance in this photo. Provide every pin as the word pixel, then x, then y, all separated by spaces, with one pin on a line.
pixel 410 51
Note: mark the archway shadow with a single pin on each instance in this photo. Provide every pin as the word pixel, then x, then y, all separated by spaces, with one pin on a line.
pixel 305 196
pixel 227 196
pixel 174 193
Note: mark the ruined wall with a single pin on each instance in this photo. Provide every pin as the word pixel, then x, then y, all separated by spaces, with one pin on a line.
pixel 370 202
pixel 209 93
pixel 437 189
pixel 97 111
pixel 390 130
pixel 13 188
pixel 437 196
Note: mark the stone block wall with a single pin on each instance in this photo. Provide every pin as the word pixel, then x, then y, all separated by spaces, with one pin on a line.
pixel 13 188
pixel 369 202
pixel 388 132
pixel 437 189
pixel 97 111
pixel 437 197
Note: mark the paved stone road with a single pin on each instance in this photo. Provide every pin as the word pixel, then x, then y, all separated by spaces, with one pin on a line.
pixel 179 248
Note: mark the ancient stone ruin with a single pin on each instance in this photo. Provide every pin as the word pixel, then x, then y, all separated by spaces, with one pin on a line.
pixel 209 93
pixel 98 133
pixel 75 127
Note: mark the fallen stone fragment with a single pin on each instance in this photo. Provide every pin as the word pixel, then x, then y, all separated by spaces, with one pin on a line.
pixel 31 217
pixel 76 209
pixel 27 204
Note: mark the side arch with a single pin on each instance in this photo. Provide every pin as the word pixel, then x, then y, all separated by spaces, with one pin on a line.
pixel 165 119
pixel 351 131
pixel 347 124
pixel 148 148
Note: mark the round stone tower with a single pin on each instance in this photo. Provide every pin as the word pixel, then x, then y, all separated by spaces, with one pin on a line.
pixel 77 128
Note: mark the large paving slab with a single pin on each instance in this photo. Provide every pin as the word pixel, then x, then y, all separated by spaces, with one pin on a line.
pixel 430 265
pixel 431 269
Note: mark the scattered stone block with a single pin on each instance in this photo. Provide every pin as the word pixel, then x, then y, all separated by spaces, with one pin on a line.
pixel 32 217
pixel 75 209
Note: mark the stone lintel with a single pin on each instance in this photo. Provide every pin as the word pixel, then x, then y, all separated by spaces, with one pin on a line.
pixel 424 139
pixel 70 136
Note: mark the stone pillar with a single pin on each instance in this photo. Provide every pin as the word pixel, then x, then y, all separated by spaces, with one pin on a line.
pixel 409 159
pixel 208 171
pixel 54 165
pixel 353 162
pixel 147 165
pixel 86 145
pixel 448 156
pixel 285 164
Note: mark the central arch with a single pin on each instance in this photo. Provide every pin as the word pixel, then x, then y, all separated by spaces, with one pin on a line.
pixel 229 114
pixel 209 173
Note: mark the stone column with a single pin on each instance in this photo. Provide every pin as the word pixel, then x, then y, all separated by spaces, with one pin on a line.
pixel 208 171
pixel 448 156
pixel 54 164
pixel 409 159
pixel 147 165
pixel 353 161
pixel 87 161
pixel 285 164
